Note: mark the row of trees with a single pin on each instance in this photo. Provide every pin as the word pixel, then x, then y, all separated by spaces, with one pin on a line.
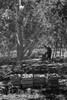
pixel 22 29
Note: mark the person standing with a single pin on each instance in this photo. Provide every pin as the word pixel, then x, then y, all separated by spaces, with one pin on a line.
pixel 48 53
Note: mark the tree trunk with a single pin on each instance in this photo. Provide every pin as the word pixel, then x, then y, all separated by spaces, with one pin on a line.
pixel 61 48
pixel 19 35
pixel 20 46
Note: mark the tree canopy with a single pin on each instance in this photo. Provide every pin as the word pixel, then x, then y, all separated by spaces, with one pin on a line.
pixel 41 22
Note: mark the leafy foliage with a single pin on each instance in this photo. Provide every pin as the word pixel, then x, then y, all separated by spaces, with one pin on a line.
pixel 7 30
pixel 41 21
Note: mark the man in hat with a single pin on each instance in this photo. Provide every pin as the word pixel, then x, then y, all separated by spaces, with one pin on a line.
pixel 48 53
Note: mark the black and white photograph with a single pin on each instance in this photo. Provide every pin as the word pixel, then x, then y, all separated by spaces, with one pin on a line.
pixel 33 49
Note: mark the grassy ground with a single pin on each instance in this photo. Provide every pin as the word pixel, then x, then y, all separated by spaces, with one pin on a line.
pixel 35 95
pixel 28 96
